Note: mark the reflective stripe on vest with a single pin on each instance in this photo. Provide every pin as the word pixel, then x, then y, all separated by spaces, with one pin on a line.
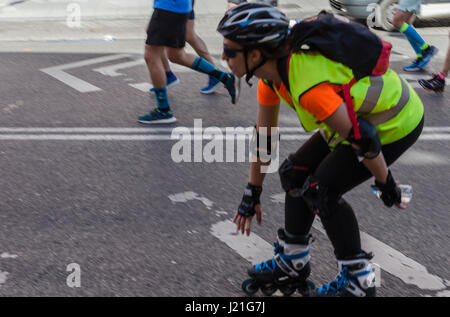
pixel 385 116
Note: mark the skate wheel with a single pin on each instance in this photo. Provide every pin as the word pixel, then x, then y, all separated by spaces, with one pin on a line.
pixel 287 290
pixel 249 287
pixel 268 290
pixel 307 289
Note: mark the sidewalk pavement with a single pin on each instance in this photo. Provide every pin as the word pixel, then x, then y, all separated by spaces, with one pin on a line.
pixel 44 20
pixel 124 9
pixel 118 26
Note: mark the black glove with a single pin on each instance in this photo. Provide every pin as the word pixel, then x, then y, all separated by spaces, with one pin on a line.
pixel 250 200
pixel 369 144
pixel 390 192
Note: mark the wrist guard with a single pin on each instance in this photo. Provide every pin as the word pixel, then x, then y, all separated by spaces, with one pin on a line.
pixel 250 200
pixel 369 143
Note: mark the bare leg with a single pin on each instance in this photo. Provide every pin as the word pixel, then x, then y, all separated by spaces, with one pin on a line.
pixel 401 17
pixel 153 58
pixel 165 62
pixel 196 42
pixel 446 67
pixel 180 57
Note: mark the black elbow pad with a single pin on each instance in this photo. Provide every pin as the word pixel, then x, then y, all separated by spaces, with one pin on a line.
pixel 369 144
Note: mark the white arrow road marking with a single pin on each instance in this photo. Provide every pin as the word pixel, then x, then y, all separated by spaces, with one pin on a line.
pixel 58 72
pixel 188 196
pixel 112 70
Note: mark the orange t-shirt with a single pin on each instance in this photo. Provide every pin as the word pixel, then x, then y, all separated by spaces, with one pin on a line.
pixel 321 101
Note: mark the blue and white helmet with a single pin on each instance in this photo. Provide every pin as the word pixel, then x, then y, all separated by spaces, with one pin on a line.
pixel 254 24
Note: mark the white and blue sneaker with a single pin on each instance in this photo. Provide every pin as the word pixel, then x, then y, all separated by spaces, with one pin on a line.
pixel 158 116
pixel 213 84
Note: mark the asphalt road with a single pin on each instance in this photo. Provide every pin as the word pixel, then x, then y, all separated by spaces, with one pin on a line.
pixel 107 199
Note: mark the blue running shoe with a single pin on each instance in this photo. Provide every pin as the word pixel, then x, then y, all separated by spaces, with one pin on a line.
pixel 213 84
pixel 427 55
pixel 171 80
pixel 158 117
pixel 414 66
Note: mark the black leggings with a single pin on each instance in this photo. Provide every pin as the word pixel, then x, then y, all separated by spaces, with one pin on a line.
pixel 339 171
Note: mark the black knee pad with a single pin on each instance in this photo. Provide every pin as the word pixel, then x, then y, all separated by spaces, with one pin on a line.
pixel 292 177
pixel 316 197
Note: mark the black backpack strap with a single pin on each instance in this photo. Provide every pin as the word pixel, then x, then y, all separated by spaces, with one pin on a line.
pixel 283 70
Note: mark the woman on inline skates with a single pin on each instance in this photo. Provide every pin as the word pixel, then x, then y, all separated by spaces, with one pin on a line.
pixel 339 157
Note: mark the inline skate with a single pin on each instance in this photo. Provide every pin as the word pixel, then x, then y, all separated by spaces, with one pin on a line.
pixel 356 279
pixel 287 271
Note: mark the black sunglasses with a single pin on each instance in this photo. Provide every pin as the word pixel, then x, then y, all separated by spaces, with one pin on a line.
pixel 231 53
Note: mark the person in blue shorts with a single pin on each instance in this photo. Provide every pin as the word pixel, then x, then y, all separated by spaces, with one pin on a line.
pixel 200 48
pixel 166 33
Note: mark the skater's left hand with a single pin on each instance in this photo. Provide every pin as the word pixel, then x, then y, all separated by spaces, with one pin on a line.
pixel 244 223
pixel 249 207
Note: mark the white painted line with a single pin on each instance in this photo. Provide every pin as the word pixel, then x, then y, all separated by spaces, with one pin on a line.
pixel 162 137
pixel 235 130
pixel 91 61
pixel 72 81
pixel 397 264
pixel 3 277
pixel 434 137
pixel 436 129
pixel 252 248
pixel 417 157
pixel 391 260
pixel 85 130
pixel 84 137
pixel 6 255
pixel 398 58
pixel 58 72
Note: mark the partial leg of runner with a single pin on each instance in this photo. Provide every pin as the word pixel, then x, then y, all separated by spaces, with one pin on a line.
pixel 181 57
pixel 202 50
pixel 171 79
pixel 424 51
pixel 437 83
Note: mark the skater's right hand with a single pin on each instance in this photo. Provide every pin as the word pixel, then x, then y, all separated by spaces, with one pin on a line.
pixel 249 206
